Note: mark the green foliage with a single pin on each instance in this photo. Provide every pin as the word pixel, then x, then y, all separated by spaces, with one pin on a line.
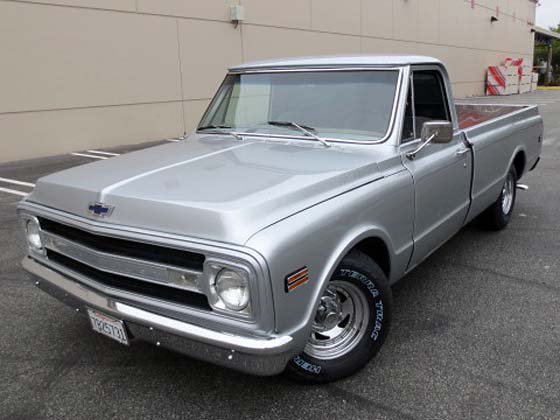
pixel 541 54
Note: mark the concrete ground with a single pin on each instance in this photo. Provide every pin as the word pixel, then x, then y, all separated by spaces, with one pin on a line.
pixel 476 333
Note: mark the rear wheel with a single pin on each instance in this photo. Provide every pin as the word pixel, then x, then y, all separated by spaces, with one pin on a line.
pixel 350 324
pixel 498 215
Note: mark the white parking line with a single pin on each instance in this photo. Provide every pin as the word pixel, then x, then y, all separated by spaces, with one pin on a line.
pixel 89 156
pixel 16 182
pixel 99 152
pixel 16 192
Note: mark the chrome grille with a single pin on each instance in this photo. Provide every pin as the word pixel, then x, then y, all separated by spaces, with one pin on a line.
pixel 123 247
pixel 143 268
pixel 128 284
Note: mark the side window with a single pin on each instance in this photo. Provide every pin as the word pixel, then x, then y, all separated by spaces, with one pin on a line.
pixel 408 123
pixel 430 100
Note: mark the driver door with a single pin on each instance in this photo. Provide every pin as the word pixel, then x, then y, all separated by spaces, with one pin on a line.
pixel 441 172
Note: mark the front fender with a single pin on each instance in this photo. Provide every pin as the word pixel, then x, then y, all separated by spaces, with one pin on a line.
pixel 319 237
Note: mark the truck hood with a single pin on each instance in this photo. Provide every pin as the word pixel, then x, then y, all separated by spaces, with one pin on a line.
pixel 210 186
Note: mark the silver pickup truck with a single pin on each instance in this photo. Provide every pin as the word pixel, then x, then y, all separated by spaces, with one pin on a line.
pixel 269 239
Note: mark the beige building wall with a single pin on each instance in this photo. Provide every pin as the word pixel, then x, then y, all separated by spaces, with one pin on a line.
pixel 79 74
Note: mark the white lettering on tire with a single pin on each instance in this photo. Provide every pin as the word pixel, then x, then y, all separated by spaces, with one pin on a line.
pixel 378 320
pixel 362 279
pixel 372 288
pixel 309 367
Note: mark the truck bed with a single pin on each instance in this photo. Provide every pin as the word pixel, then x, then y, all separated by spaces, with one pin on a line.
pixel 470 115
pixel 498 133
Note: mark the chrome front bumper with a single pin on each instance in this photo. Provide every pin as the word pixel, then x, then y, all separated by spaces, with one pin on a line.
pixel 259 356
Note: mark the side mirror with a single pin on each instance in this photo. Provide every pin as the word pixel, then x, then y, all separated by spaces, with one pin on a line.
pixel 437 131
pixel 433 132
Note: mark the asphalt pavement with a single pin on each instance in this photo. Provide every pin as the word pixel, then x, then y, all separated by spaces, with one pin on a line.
pixel 475 334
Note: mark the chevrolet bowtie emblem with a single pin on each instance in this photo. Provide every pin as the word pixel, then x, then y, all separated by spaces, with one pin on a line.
pixel 100 209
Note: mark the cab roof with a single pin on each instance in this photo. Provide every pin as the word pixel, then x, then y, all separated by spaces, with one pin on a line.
pixel 338 61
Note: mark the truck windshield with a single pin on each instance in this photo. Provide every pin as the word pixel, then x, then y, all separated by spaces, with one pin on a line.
pixel 336 105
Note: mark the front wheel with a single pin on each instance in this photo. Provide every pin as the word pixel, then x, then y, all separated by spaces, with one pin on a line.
pixel 350 324
pixel 498 215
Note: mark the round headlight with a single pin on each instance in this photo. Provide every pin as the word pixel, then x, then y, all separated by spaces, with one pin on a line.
pixel 34 235
pixel 233 289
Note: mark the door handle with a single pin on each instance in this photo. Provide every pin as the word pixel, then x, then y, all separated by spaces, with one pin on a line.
pixel 462 152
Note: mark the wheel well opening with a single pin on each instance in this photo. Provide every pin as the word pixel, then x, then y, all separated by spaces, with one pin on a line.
pixel 519 163
pixel 376 249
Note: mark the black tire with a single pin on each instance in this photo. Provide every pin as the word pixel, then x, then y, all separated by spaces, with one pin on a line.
pixel 359 274
pixel 494 217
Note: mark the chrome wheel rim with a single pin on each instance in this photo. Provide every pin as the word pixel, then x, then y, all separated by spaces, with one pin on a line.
pixel 507 194
pixel 340 321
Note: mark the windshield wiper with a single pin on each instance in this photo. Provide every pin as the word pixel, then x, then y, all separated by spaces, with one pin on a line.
pixel 304 128
pixel 218 127
pixel 205 127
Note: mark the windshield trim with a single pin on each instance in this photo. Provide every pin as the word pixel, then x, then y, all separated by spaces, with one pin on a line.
pixel 390 127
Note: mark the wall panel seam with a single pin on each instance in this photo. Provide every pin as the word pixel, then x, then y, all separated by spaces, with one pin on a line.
pixel 120 11
pixel 180 60
pixel 361 25
pixel 206 19
pixel 29 111
pixel 384 39
pixel 242 46
pixel 502 12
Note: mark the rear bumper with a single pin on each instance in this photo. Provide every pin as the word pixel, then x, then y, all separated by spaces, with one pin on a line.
pixel 259 356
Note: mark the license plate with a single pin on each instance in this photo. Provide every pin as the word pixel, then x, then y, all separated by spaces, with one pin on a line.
pixel 108 326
